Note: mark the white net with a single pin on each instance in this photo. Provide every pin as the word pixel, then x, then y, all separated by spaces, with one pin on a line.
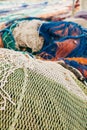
pixel 26 35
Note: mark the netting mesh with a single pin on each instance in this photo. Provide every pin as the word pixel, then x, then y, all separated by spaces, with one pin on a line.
pixel 8 39
pixel 34 97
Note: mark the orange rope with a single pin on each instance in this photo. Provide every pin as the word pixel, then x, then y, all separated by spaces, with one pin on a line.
pixel 82 61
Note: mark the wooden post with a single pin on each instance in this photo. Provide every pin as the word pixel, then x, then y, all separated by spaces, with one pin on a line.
pixel 73 7
pixel 83 5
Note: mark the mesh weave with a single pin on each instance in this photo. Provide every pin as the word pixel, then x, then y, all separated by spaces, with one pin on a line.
pixel 8 39
pixel 35 96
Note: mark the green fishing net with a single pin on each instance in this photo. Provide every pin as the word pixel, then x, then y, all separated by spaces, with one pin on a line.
pixel 8 39
pixel 39 95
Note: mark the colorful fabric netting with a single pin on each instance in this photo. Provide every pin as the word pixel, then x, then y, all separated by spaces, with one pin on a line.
pixel 61 40
pixel 65 40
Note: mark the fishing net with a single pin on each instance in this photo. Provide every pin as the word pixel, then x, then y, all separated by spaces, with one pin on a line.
pixel 7 37
pixel 45 37
pixel 39 95
pixel 11 35
pixel 26 35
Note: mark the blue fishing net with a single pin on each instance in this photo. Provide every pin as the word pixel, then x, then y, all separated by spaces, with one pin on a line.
pixel 54 32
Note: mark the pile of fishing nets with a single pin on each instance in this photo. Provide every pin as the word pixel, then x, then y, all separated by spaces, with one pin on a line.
pixel 38 90
pixel 39 95
pixel 53 41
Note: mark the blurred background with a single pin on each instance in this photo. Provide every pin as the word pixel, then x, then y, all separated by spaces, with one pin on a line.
pixel 10 9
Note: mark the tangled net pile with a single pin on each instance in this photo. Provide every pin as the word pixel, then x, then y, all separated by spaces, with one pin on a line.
pixel 39 95
pixel 26 35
